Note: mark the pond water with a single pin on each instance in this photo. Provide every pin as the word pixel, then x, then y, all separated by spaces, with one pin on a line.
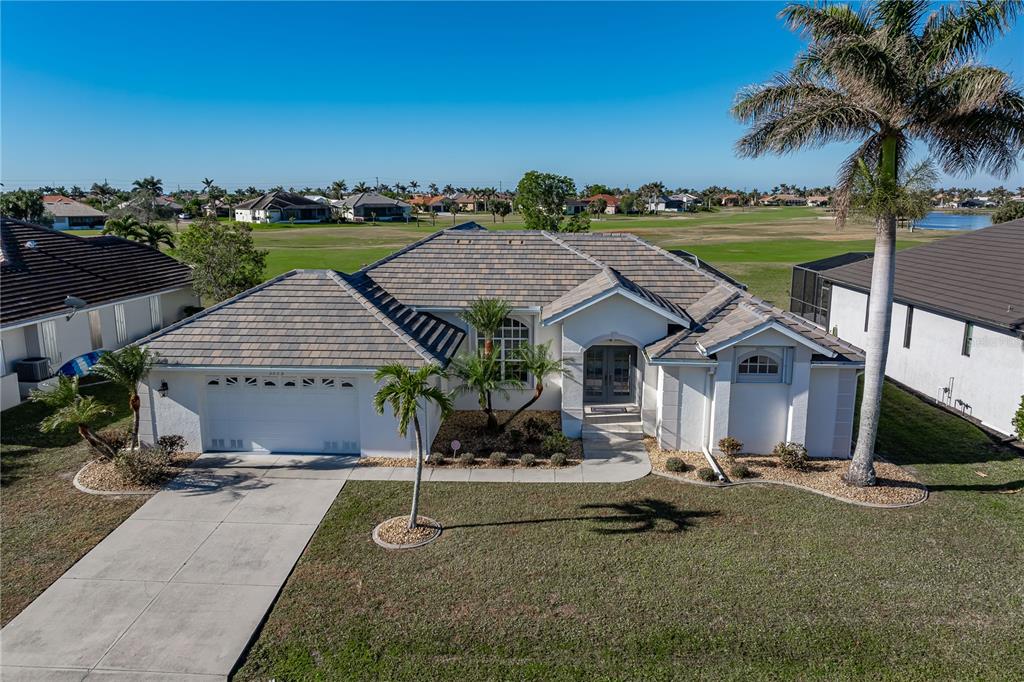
pixel 938 220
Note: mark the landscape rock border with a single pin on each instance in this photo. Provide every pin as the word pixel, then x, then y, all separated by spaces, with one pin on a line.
pixel 106 493
pixel 419 543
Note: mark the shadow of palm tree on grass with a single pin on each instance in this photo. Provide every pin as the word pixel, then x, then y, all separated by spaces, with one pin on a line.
pixel 621 518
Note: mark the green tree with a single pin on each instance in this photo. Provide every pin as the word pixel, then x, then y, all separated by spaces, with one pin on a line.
pixel 126 226
pixel 627 203
pixel 73 410
pixel 884 76
pixel 591 190
pixel 224 259
pixel 578 222
pixel 486 316
pixel 127 368
pixel 156 234
pixel 481 374
pixel 407 391
pixel 152 185
pixel 597 207
pixel 1011 210
pixel 540 365
pixel 502 208
pixel 541 199
pixel 22 204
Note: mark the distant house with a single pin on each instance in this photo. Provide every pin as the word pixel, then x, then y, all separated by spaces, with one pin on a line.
pixel 675 202
pixel 783 200
pixel 427 203
pixel 372 206
pixel 818 200
pixel 279 206
pixel 69 214
pixel 121 291
pixel 575 206
pixel 611 202
pixel 978 202
pixel 729 200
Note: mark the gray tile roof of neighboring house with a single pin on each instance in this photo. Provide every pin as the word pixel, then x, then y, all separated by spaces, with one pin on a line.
pixel 36 278
pixel 64 207
pixel 370 199
pixel 308 318
pixel 976 276
pixel 278 199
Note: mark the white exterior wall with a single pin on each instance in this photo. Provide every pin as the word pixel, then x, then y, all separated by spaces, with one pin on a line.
pixel 684 410
pixel 990 381
pixel 833 395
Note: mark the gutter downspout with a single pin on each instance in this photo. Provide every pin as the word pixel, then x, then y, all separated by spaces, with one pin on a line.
pixel 705 440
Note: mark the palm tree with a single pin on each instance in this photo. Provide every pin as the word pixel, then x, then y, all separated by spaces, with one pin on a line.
pixel 413 185
pixel 886 76
pixel 73 410
pixel 434 190
pixel 486 315
pixel 361 187
pixel 155 234
pixel 538 364
pixel 338 189
pixel 406 390
pixel 126 227
pixel 207 183
pixel 151 184
pixel 449 190
pixel 481 374
pixel 127 368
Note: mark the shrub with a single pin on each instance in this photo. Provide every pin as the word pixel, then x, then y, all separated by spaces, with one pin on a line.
pixel 730 447
pixel 173 444
pixel 435 459
pixel 675 464
pixel 528 459
pixel 739 470
pixel 556 442
pixel 144 466
pixel 498 459
pixel 707 474
pixel 559 459
pixel 536 428
pixel 466 459
pixel 1018 417
pixel 791 455
pixel 117 439
pixel 516 438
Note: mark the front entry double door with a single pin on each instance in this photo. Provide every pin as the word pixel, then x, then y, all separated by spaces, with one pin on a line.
pixel 608 374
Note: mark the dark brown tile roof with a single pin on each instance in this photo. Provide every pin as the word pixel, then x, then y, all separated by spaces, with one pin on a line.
pixel 35 281
pixel 308 318
pixel 978 276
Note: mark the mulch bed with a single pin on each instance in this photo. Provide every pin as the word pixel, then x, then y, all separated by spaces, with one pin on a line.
pixel 396 531
pixel 895 484
pixel 525 434
pixel 102 475
pixel 694 460
pixel 449 462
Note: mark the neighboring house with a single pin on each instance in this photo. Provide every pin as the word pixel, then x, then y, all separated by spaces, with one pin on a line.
pixel 428 204
pixel 69 214
pixel 288 365
pixel 282 207
pixel 978 202
pixel 730 200
pixel 372 206
pixel 783 200
pixel 129 291
pixel 818 200
pixel 676 202
pixel 469 203
pixel 957 320
pixel 575 206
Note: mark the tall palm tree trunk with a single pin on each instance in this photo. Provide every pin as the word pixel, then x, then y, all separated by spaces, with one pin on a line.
pixel 135 403
pixel 419 473
pixel 538 391
pixel 862 468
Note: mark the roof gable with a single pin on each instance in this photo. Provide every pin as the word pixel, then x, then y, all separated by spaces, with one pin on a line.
pixel 603 285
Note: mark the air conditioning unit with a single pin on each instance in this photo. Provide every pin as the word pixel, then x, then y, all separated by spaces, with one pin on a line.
pixel 33 369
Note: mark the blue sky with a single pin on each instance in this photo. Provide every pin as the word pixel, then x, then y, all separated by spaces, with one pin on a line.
pixel 471 94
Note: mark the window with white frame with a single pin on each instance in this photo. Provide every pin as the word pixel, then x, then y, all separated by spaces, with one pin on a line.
pixel 156 317
pixel 120 326
pixel 510 335
pixel 764 366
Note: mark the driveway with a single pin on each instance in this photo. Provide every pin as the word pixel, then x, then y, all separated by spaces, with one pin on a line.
pixel 177 591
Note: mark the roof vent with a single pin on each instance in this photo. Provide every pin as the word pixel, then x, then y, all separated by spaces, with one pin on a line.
pixel 31 244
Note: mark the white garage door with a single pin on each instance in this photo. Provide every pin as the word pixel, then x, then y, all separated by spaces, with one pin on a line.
pixel 308 414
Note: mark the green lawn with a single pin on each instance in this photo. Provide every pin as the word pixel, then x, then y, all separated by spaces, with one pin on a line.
pixel 657 580
pixel 45 523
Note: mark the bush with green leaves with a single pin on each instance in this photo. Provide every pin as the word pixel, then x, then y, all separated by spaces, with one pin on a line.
pixel 536 428
pixel 740 470
pixel 498 458
pixel 675 464
pixel 467 459
pixel 515 438
pixel 559 459
pixel 173 444
pixel 707 474
pixel 435 459
pixel 791 455
pixel 1018 418
pixel 117 437
pixel 555 442
pixel 730 447
pixel 528 459
pixel 144 466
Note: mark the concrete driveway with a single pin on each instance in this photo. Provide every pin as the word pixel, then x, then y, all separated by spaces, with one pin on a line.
pixel 177 591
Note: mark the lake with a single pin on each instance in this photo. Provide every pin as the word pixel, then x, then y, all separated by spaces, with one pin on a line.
pixel 938 220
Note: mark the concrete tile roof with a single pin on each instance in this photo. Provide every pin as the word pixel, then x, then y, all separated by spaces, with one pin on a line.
pixel 605 282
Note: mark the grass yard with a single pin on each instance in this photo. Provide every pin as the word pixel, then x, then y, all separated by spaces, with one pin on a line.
pixel 46 524
pixel 658 580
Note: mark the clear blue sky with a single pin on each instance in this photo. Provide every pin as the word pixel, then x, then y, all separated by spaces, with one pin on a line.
pixel 471 94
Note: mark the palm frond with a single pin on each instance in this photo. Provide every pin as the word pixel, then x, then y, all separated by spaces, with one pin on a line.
pixel 822 21
pixel 960 32
pixel 899 17
pixel 989 138
pixel 808 123
pixel 61 395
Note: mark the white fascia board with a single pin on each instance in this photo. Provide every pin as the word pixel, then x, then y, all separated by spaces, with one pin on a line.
pixel 620 291
pixel 850 364
pixel 689 363
pixel 769 324
pixel 220 369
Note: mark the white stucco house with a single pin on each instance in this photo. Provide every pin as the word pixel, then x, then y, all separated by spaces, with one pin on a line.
pixel 121 291
pixel 279 206
pixel 69 214
pixel 288 366
pixel 957 332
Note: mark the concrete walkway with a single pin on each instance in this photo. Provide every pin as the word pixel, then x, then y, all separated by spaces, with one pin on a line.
pixel 177 591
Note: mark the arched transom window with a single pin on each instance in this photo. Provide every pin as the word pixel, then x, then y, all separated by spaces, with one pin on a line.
pixel 509 336
pixel 759 367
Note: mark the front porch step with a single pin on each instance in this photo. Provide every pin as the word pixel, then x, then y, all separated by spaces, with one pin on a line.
pixel 633 418
pixel 625 431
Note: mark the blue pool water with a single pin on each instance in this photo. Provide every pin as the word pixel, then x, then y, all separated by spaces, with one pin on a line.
pixel 937 220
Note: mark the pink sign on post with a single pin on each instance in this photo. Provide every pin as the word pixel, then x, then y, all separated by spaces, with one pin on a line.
pixel 455 447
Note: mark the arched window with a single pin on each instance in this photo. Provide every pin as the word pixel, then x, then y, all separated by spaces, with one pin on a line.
pixel 509 336
pixel 758 367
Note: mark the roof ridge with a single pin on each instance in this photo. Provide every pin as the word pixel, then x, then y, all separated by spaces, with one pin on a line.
pixel 405 249
pixel 215 307
pixel 383 317
pixel 561 242
pixel 677 259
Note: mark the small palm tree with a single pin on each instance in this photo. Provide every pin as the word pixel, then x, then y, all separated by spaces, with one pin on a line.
pixel 481 374
pixel 126 227
pixel 155 234
pixel 406 390
pixel 73 410
pixel 486 316
pixel 127 368
pixel 538 364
